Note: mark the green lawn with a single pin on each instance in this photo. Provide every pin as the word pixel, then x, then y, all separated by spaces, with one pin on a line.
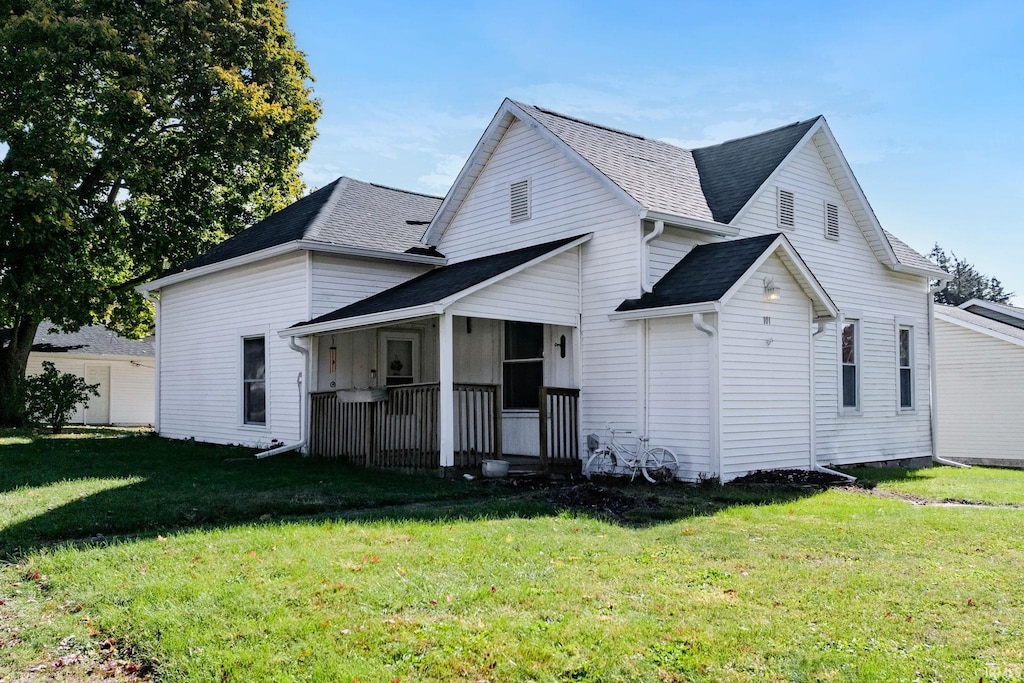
pixel 989 485
pixel 413 578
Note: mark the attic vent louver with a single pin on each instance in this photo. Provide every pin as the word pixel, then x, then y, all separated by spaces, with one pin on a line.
pixel 831 221
pixel 785 208
pixel 519 201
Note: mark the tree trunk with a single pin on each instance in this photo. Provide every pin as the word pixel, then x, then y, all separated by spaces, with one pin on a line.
pixel 13 361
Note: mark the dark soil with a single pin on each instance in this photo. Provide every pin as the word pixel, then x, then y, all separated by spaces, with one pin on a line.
pixel 589 497
pixel 789 478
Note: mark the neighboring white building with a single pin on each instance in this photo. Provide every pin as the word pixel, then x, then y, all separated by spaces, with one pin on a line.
pixel 739 303
pixel 979 359
pixel 123 369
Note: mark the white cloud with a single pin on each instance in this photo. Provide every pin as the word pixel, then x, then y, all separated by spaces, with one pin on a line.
pixel 441 179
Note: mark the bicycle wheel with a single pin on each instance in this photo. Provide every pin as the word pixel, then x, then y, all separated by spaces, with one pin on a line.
pixel 601 462
pixel 659 464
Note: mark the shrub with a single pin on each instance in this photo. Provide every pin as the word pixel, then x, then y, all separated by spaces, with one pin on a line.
pixel 51 396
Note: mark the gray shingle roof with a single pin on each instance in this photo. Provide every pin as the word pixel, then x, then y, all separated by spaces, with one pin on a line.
pixel 440 283
pixel 662 177
pixel 1004 313
pixel 906 254
pixel 731 172
pixel 92 340
pixel 703 275
pixel 346 212
pixel 980 321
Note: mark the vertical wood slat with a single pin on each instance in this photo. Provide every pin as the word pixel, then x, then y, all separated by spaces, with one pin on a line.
pixel 559 425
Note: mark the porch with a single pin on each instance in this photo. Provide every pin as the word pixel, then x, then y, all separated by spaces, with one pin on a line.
pixel 399 427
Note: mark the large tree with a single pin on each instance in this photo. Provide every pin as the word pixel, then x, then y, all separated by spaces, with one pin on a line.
pixel 965 281
pixel 134 133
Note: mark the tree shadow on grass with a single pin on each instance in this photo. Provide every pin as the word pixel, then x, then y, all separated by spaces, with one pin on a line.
pixel 91 490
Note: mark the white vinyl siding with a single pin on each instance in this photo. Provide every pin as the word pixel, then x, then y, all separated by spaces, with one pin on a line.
pixel 202 323
pixel 851 273
pixel 547 292
pixel 338 281
pixel 981 396
pixel 679 389
pixel 565 201
pixel 131 387
pixel 766 376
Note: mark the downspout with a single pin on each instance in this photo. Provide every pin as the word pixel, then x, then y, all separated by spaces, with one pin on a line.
pixel 155 300
pixel 933 383
pixel 645 261
pixel 715 435
pixel 303 423
pixel 815 466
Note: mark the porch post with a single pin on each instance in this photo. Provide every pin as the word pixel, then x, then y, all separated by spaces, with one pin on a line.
pixel 446 372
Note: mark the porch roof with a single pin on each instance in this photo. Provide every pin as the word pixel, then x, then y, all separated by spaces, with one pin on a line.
pixel 710 273
pixel 435 289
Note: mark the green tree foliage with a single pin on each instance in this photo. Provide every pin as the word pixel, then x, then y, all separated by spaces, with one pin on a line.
pixel 966 282
pixel 52 395
pixel 134 133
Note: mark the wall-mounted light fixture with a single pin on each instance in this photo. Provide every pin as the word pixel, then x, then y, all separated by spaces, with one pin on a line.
pixel 561 345
pixel 771 290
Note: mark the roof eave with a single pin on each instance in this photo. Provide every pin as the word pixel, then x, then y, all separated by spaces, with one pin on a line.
pixel 931 273
pixel 244 259
pixel 666 311
pixel 995 334
pixel 696 224
pixel 369 320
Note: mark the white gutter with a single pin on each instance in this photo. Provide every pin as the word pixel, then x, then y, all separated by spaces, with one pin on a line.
pixel 645 252
pixel 933 382
pixel 666 311
pixel 715 431
pixel 698 224
pixel 303 396
pixel 923 272
pixel 155 300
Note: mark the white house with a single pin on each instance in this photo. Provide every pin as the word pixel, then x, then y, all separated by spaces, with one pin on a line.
pixel 979 359
pixel 738 303
pixel 123 369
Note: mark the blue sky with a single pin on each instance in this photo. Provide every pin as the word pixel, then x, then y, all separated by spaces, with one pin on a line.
pixel 925 98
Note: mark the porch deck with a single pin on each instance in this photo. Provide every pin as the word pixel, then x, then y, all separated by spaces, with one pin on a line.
pixel 401 431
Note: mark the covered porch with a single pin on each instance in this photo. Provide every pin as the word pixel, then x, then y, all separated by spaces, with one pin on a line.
pixel 482 365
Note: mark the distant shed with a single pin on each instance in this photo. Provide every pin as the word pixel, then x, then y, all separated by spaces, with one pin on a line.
pixel 124 369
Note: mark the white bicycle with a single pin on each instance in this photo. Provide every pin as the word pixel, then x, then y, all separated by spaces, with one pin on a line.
pixel 656 463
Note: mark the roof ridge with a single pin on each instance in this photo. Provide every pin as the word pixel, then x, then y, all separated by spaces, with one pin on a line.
pixel 326 208
pixel 588 123
pixel 763 132
pixel 399 189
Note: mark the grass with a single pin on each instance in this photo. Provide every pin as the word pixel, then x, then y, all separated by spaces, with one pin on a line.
pixel 986 485
pixel 421 579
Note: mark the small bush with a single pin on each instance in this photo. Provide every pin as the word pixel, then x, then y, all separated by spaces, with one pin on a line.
pixel 51 396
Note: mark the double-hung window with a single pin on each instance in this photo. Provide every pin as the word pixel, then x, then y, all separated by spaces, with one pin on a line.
pixel 849 358
pixel 523 365
pixel 905 344
pixel 254 381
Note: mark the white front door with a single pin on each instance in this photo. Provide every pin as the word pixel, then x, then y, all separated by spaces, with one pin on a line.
pixel 98 412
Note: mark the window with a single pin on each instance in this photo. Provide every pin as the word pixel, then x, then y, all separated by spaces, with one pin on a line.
pixel 849 360
pixel 523 366
pixel 785 207
pixel 400 354
pixel 905 341
pixel 831 221
pixel 254 382
pixel 519 201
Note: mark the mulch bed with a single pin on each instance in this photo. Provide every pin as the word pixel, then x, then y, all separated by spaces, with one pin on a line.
pixel 789 478
pixel 590 497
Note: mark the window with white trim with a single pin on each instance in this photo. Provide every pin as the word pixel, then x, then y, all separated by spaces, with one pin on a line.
pixel 785 206
pixel 849 359
pixel 522 369
pixel 905 352
pixel 254 381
